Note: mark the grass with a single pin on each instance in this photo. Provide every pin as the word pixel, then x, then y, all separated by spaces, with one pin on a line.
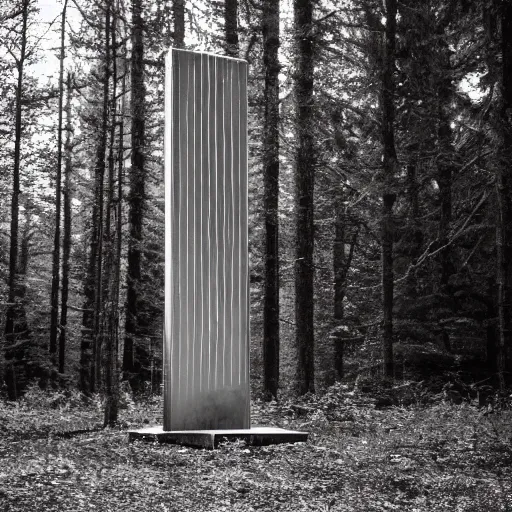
pixel 441 457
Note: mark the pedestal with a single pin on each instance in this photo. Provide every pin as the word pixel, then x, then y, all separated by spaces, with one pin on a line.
pixel 209 439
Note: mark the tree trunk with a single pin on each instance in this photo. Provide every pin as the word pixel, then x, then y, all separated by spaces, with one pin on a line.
pixel 95 369
pixel 414 233
pixel 345 237
pixel 504 193
pixel 271 199
pixel 111 295
pixel 86 341
pixel 112 411
pixel 389 195
pixel 413 189
pixel 87 338
pixel 66 240
pixel 15 322
pixel 305 166
pixel 231 26
pixel 179 22
pixel 338 259
pixel 22 355
pixel 136 198
pixel 54 313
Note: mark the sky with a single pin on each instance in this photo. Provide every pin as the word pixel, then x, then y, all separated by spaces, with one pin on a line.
pixel 50 11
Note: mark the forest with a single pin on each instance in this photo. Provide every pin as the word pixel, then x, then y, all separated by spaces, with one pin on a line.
pixel 380 214
pixel 380 241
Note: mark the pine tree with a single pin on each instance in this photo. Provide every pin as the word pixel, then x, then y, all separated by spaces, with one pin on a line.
pixel 345 236
pixel 270 27
pixel 113 236
pixel 16 327
pixel 304 189
pixel 54 314
pixel 91 349
pixel 136 201
pixel 66 239
pixel 389 163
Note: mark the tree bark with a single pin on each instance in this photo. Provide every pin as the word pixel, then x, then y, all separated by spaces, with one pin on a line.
pixel 413 189
pixel 389 195
pixel 136 197
pixel 90 347
pixel 66 239
pixel 111 295
pixel 345 236
pixel 111 414
pixel 271 197
pixel 231 26
pixel 87 338
pixel 179 23
pixel 304 188
pixel 54 313
pixel 86 341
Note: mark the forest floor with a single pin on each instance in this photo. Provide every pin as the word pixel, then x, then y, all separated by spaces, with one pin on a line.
pixel 440 457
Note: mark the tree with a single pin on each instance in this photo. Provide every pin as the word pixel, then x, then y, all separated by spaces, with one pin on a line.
pixel 54 313
pixel 304 189
pixel 345 235
pixel 16 327
pixel 447 162
pixel 113 239
pixel 270 29
pixel 136 199
pixel 66 239
pixel 90 352
pixel 101 153
pixel 389 169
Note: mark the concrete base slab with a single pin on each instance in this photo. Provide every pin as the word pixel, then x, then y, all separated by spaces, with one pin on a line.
pixel 256 436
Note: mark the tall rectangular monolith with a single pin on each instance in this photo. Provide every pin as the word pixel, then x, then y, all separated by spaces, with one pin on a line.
pixel 206 331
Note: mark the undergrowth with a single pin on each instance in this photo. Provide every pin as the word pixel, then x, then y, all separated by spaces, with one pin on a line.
pixel 360 456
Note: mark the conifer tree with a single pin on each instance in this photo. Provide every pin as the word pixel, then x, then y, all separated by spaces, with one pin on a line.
pixel 16 327
pixel 304 189
pixel 389 168
pixel 66 238
pixel 136 201
pixel 54 313
pixel 270 28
